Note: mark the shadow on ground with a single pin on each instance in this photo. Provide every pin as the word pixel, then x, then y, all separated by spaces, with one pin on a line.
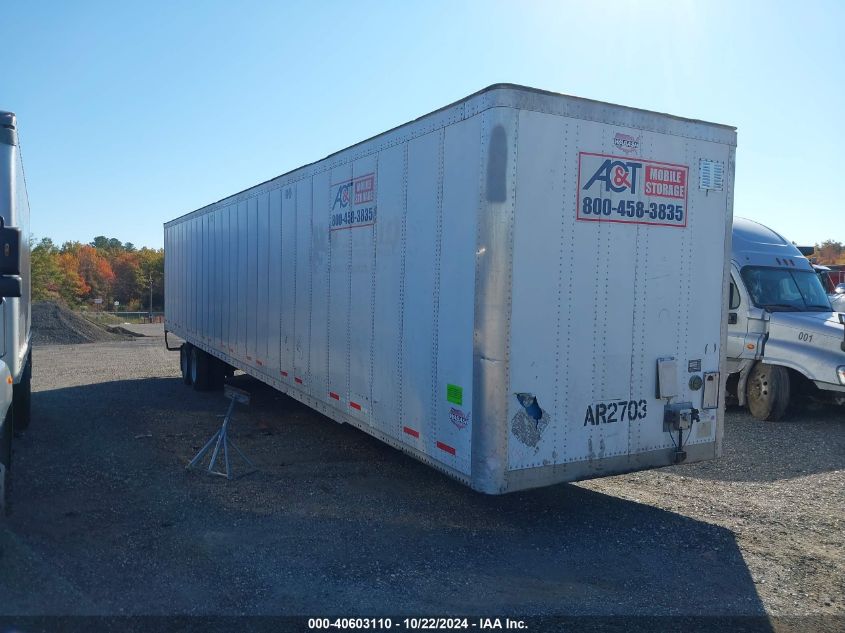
pixel 107 521
pixel 807 442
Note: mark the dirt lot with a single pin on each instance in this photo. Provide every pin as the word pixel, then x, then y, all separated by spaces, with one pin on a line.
pixel 107 521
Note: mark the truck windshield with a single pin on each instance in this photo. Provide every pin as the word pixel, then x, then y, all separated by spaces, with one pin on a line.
pixel 782 289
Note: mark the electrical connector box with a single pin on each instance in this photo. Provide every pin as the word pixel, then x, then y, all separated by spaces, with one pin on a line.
pixel 679 417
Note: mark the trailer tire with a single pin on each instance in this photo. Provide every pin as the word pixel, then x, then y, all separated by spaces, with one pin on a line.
pixel 768 392
pixel 7 434
pixel 185 362
pixel 200 369
pixel 22 397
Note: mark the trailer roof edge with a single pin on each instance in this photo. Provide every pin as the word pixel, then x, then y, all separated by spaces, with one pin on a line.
pixel 491 88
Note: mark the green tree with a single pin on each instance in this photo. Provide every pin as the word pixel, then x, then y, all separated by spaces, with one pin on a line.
pixel 151 265
pixel 101 242
pixel 46 273
pixel 107 244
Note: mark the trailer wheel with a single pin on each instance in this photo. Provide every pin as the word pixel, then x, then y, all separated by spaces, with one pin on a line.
pixel 6 435
pixel 22 397
pixel 768 392
pixel 185 362
pixel 200 369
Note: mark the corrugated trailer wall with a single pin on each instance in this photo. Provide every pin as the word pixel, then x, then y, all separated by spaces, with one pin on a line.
pixel 413 284
pixel 297 282
pixel 622 292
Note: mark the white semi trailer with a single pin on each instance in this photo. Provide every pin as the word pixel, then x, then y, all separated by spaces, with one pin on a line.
pixel 785 340
pixel 15 349
pixel 518 289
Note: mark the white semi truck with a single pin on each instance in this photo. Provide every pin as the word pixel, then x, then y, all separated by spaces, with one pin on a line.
pixel 785 341
pixel 15 349
pixel 518 289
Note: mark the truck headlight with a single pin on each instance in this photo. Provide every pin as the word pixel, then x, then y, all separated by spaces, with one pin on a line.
pixel 840 371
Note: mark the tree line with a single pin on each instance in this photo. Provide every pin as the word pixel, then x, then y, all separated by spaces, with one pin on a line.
pixel 97 274
pixel 78 274
pixel 829 253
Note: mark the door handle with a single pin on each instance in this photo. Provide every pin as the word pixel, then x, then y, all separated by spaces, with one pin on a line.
pixel 732 318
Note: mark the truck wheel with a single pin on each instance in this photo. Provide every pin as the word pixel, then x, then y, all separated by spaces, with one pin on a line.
pixel 768 392
pixel 22 397
pixel 200 369
pixel 185 362
pixel 6 436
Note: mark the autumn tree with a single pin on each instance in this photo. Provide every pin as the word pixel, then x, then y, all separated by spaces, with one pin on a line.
pixel 128 281
pixel 105 268
pixel 71 287
pixel 97 272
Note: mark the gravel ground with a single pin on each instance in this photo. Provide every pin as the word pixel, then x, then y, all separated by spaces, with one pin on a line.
pixel 53 324
pixel 107 521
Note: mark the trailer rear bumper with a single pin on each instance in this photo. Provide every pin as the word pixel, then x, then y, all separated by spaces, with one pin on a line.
pixel 605 467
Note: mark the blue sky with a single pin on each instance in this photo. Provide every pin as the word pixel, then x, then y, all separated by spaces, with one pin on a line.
pixel 132 113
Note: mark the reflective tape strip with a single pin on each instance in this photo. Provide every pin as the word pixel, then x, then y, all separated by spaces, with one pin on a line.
pixel 298 380
pixel 332 394
pixel 411 431
pixel 355 405
pixel 446 448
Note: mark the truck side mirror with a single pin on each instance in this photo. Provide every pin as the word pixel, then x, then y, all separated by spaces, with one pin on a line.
pixel 840 289
pixel 10 287
pixel 10 250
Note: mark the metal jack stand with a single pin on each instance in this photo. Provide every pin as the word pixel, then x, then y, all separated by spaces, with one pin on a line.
pixel 221 438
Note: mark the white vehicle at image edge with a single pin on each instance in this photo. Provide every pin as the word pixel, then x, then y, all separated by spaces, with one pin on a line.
pixel 493 288
pixel 785 341
pixel 15 348
pixel 837 296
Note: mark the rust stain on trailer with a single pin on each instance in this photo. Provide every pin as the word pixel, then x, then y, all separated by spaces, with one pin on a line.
pixel 591 452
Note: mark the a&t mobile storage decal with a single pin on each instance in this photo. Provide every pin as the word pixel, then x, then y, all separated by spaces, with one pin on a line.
pixel 631 190
pixel 353 203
